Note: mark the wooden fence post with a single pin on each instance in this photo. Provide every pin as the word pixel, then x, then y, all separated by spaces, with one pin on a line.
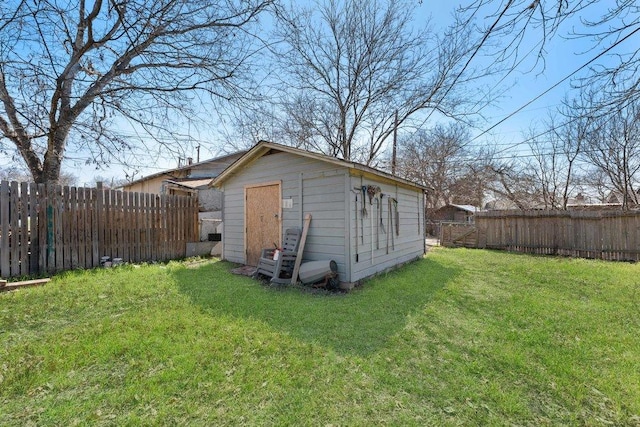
pixel 50 232
pixel 4 229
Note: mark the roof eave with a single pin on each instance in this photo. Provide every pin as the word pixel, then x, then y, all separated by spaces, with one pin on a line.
pixel 358 169
pixel 263 147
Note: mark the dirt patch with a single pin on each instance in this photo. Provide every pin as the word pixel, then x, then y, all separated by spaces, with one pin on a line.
pixel 244 270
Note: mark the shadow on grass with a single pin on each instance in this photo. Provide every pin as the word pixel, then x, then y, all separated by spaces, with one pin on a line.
pixel 357 323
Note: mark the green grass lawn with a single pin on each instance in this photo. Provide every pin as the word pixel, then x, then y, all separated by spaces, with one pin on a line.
pixel 460 337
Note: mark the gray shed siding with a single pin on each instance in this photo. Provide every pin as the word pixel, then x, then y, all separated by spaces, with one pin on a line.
pixel 325 190
pixel 409 245
pixel 308 179
pixel 323 196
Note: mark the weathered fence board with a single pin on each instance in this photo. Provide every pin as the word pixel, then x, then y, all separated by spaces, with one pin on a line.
pixel 613 235
pixel 49 229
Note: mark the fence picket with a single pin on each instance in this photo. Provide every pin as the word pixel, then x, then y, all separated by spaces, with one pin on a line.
pixel 82 228
pixel 72 195
pixel 53 228
pixel 64 208
pixel 23 237
pixel 5 266
pixel 109 208
pixel 34 227
pixel 146 227
pixel 14 230
pixel 613 235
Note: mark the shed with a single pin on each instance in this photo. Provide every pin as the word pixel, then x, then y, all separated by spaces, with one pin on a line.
pixel 449 213
pixel 272 187
pixel 456 213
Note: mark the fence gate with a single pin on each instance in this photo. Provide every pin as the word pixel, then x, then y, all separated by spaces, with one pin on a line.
pixel 456 234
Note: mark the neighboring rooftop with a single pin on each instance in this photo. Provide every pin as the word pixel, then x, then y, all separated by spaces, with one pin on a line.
pixel 176 172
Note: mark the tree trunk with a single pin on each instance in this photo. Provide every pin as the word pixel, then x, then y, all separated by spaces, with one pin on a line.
pixel 51 169
pixel 53 158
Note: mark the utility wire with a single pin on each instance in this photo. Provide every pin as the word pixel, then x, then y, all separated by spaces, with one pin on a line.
pixel 568 76
pixel 552 129
pixel 466 65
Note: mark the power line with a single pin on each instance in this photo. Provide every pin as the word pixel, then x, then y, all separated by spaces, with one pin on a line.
pixel 476 50
pixel 466 65
pixel 568 76
pixel 551 129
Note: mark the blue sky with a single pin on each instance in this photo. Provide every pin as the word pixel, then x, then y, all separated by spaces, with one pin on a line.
pixel 562 57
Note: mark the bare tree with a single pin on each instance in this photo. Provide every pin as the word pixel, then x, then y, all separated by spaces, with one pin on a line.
pixel 595 182
pixel 13 173
pixel 555 156
pixel 16 173
pixel 108 183
pixel 517 36
pixel 524 29
pixel 439 159
pixel 72 73
pixel 545 170
pixel 511 181
pixel 613 148
pixel 347 68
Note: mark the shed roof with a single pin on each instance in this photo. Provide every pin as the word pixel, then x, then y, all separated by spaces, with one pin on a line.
pixel 264 147
pixel 468 208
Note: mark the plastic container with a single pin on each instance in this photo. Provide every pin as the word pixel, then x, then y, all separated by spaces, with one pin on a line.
pixel 314 271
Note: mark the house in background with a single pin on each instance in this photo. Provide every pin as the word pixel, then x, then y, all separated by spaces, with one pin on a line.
pixel 581 202
pixel 192 179
pixel 587 203
pixel 271 188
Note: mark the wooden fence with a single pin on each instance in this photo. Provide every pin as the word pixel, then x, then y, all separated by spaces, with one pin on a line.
pixel 458 234
pixel 613 235
pixel 49 229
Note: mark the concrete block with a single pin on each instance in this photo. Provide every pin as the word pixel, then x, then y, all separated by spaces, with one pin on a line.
pixel 199 248
pixel 217 249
